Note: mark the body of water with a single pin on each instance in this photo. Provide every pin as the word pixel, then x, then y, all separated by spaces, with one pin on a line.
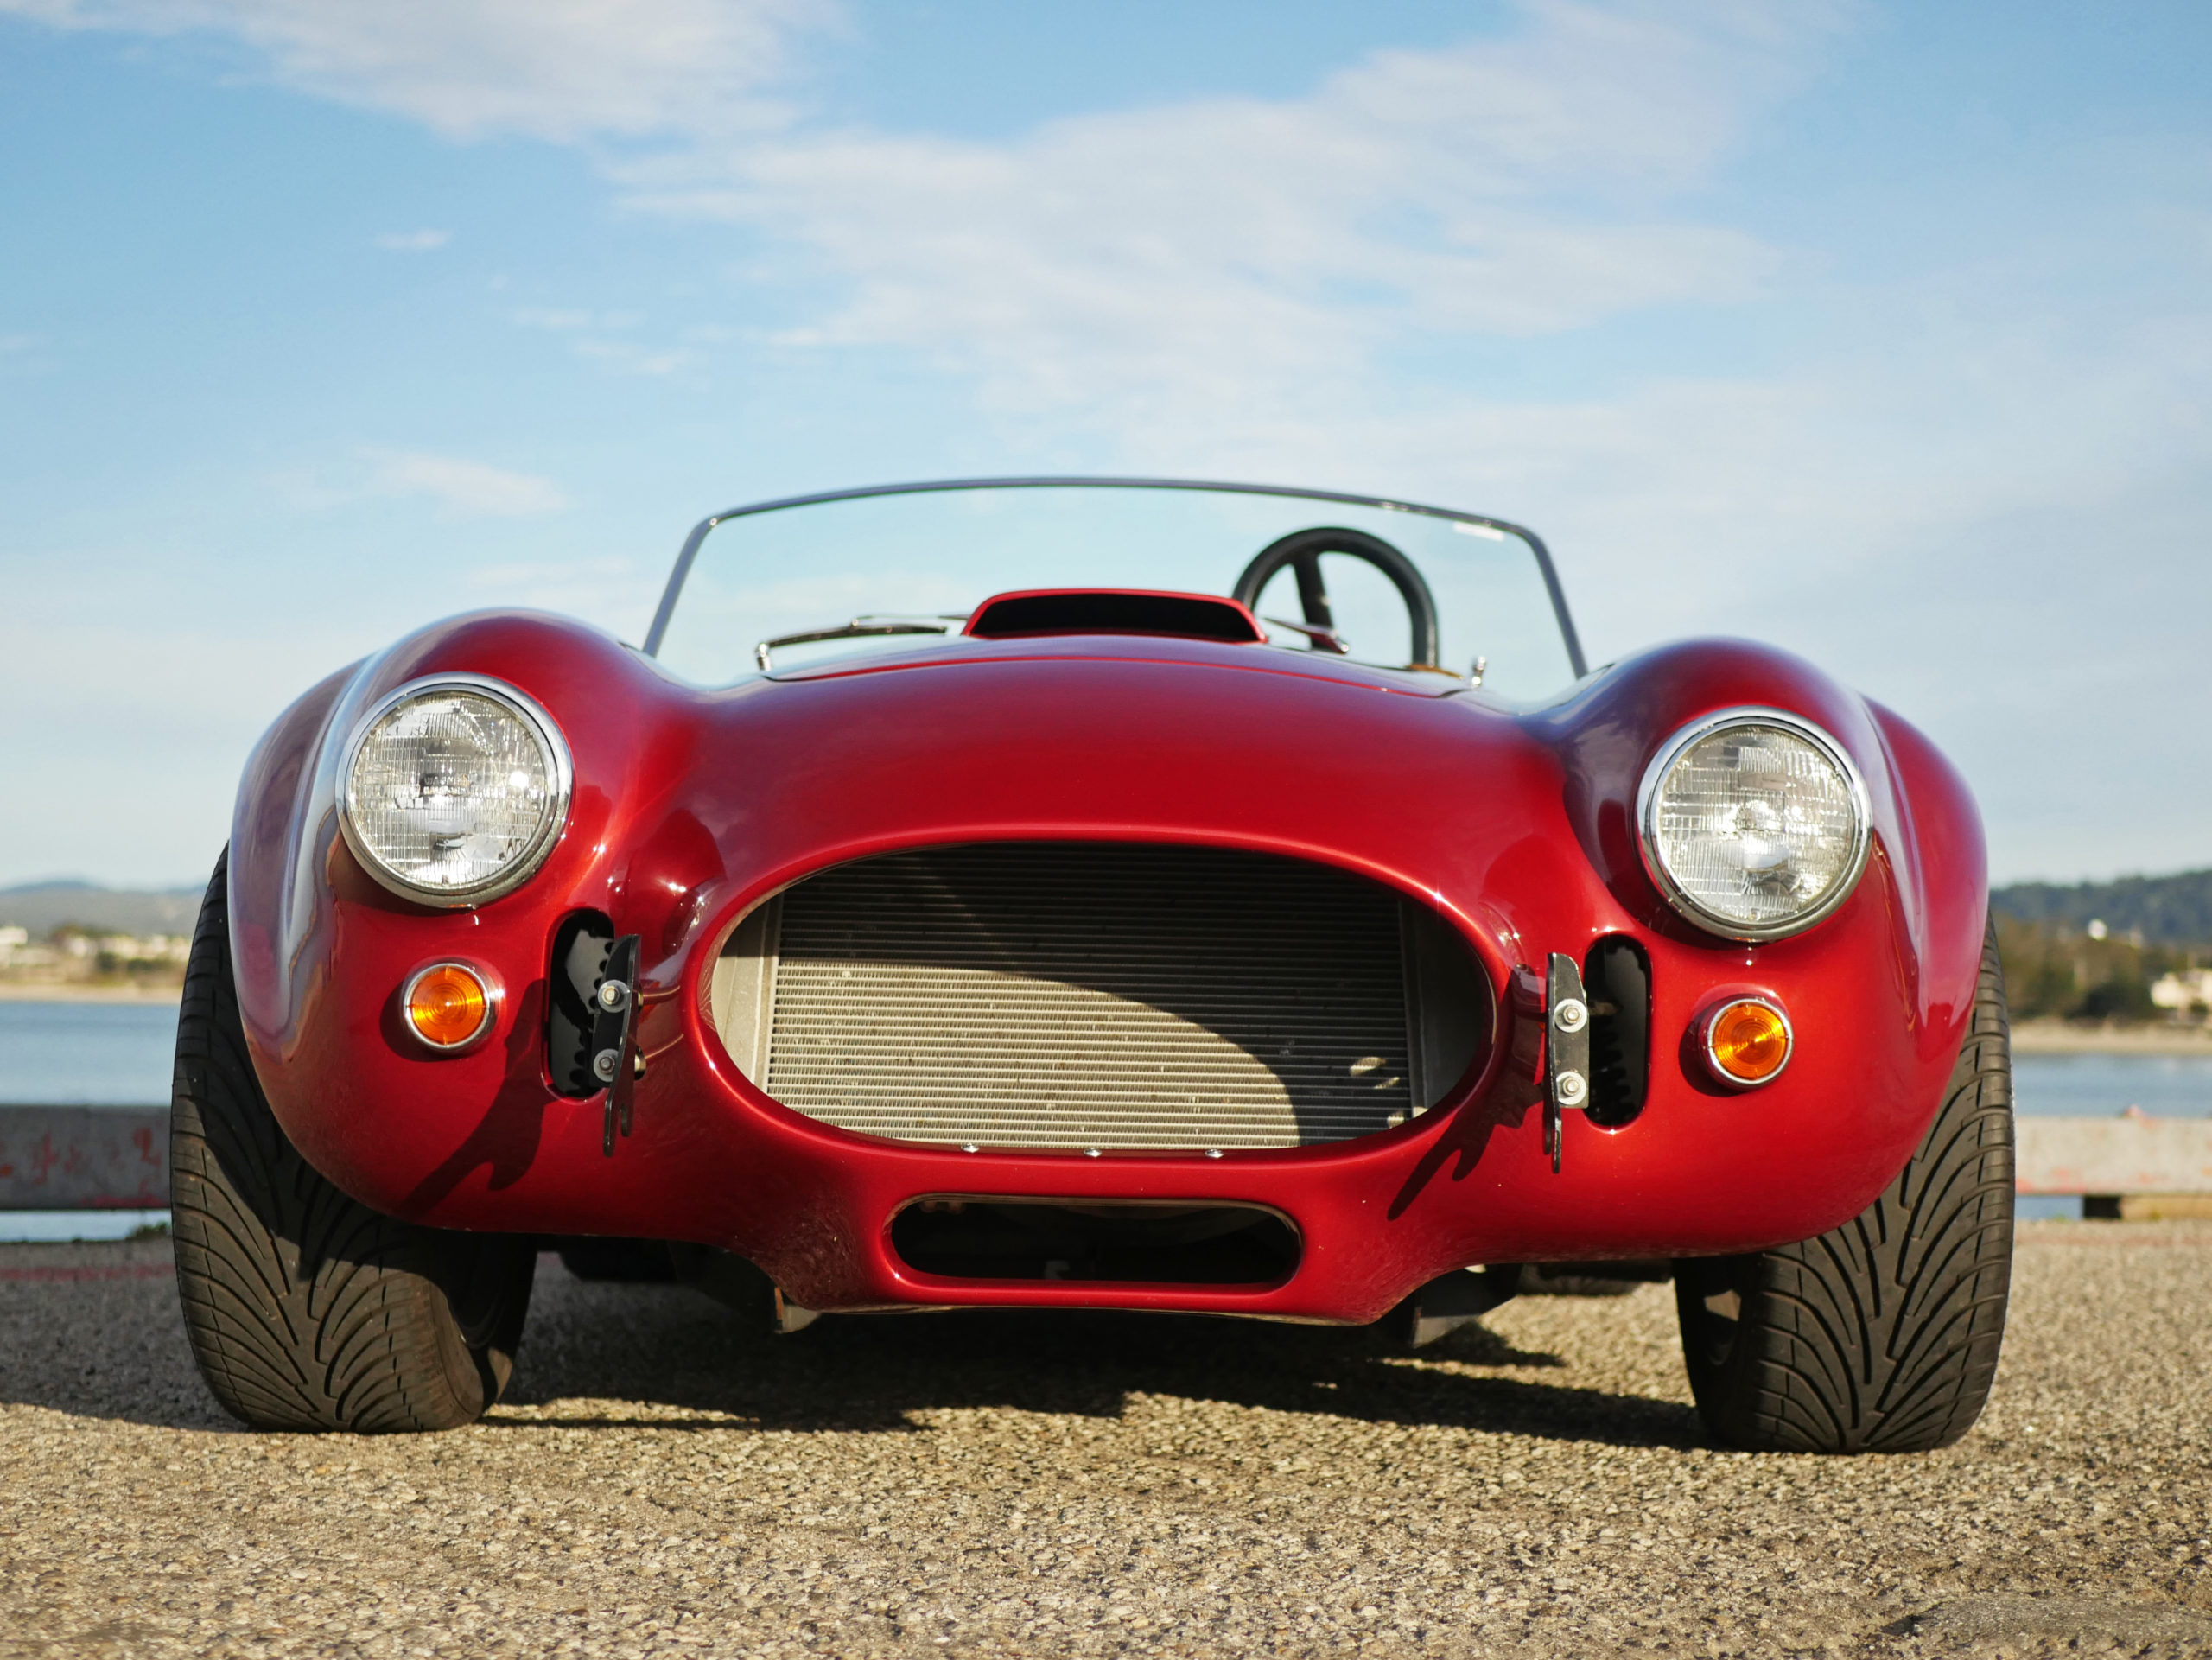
pixel 108 1054
pixel 119 1054
pixel 2090 1086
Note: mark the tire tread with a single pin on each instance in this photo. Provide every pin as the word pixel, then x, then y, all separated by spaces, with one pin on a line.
pixel 305 1309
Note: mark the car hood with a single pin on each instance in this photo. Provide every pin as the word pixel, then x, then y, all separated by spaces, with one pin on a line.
pixel 1167 651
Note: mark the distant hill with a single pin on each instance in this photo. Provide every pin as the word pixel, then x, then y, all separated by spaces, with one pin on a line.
pixel 43 907
pixel 2169 910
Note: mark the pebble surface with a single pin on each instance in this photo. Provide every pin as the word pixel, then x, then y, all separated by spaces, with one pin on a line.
pixel 1104 1485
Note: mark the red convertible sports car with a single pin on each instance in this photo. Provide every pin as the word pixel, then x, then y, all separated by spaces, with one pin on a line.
pixel 1093 893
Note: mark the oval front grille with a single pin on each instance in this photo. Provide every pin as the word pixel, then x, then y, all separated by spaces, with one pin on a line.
pixel 1082 996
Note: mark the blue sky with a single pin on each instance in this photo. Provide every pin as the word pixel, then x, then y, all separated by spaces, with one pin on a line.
pixel 1881 332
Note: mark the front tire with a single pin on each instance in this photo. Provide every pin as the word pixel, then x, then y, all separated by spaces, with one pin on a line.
pixel 1882 1335
pixel 306 1309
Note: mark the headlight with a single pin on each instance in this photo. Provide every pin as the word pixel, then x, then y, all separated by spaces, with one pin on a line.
pixel 1754 823
pixel 453 789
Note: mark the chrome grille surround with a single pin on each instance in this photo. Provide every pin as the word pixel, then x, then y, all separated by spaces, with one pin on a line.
pixel 1086 995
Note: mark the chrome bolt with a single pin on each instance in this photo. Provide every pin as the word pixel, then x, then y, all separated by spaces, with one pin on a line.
pixel 1090 1153
pixel 1571 1089
pixel 614 995
pixel 1570 1015
pixel 603 1065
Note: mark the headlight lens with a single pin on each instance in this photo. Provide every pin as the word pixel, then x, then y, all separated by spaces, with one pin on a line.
pixel 453 790
pixel 1755 823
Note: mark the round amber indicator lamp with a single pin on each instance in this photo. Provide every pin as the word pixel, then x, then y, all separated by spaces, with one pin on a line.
pixel 1747 1042
pixel 449 1006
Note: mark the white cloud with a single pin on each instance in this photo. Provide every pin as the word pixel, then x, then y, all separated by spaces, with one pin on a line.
pixel 413 241
pixel 467 489
pixel 558 321
pixel 564 70
pixel 1227 250
pixel 589 331
pixel 625 358
pixel 1222 248
pixel 1220 251
pixel 563 320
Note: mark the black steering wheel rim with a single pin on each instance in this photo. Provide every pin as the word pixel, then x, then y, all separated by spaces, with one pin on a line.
pixel 1302 550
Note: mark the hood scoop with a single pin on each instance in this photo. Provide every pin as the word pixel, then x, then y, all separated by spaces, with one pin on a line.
pixel 1113 611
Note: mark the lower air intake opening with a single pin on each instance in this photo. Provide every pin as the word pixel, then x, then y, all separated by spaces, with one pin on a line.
pixel 1125 1244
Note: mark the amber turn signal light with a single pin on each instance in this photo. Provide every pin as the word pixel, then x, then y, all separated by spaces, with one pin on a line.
pixel 448 1005
pixel 1747 1042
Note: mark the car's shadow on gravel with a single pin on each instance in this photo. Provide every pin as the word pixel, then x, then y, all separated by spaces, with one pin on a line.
pixel 683 1362
pixel 99 1337
pixel 94 1331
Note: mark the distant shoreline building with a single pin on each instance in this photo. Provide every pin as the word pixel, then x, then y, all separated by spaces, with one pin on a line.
pixel 2185 991
pixel 76 954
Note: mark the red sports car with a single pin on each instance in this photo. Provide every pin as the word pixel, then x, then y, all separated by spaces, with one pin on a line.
pixel 1099 893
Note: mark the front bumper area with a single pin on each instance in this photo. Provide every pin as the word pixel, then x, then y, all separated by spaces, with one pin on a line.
pixel 692 807
pixel 481 1142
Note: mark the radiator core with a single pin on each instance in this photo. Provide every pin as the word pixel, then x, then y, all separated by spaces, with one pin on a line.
pixel 1099 995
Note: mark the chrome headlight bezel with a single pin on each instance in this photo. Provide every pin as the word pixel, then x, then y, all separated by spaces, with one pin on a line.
pixel 1647 818
pixel 560 770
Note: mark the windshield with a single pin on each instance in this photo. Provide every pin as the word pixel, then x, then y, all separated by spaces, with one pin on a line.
pixel 901 568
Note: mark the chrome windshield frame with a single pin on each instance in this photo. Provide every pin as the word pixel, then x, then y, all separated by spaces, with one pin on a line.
pixel 701 530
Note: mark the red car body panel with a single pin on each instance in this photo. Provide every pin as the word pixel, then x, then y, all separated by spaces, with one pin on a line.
pixel 1517 825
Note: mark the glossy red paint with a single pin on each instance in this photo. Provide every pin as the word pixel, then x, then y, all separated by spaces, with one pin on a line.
pixel 691 806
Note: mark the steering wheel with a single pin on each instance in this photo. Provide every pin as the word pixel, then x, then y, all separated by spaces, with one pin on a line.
pixel 1302 550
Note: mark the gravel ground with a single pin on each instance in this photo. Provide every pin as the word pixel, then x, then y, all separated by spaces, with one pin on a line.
pixel 1034 1484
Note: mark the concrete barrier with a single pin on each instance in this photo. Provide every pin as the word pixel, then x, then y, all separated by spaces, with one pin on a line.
pixel 84 1157
pixel 2129 1153
pixel 116 1158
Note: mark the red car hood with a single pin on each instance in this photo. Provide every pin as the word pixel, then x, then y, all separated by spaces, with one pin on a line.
pixel 1137 648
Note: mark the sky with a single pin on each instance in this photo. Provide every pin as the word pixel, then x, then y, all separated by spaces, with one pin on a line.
pixel 1882 333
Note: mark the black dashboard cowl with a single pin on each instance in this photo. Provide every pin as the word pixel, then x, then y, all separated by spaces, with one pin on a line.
pixel 1114 611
